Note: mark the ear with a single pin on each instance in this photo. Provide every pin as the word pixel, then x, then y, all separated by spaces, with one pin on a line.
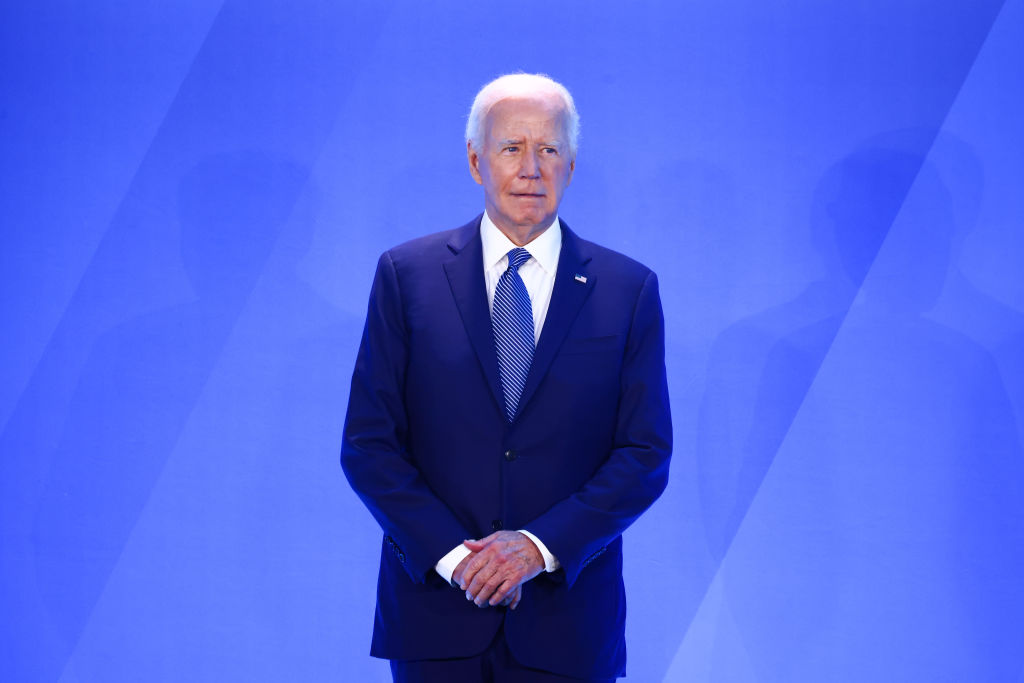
pixel 474 163
pixel 572 167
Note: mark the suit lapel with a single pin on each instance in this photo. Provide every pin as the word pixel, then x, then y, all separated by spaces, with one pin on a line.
pixel 465 271
pixel 573 283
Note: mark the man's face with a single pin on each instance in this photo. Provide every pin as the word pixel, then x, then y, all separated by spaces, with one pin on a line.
pixel 525 164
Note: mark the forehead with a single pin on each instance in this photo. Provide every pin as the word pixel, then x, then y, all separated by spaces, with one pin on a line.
pixel 535 115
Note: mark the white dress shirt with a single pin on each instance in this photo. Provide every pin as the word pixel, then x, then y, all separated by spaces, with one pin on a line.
pixel 539 277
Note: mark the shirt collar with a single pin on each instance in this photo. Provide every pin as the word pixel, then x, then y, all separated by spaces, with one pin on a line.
pixel 544 247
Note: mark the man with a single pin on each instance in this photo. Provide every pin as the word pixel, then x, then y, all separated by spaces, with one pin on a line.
pixel 508 419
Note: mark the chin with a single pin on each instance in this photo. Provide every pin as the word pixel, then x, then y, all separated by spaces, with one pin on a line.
pixel 533 218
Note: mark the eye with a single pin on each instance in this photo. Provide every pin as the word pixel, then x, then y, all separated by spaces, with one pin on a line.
pixel 550 150
pixel 512 148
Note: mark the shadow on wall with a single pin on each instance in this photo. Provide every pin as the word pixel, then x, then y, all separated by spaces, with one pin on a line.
pixel 918 478
pixel 143 378
pixel 747 410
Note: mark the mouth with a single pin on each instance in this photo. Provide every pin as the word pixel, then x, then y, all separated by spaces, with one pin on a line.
pixel 528 195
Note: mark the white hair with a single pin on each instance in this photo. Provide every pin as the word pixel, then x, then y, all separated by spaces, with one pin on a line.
pixel 519 85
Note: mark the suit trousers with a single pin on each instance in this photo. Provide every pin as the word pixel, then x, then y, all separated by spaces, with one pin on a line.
pixel 496 664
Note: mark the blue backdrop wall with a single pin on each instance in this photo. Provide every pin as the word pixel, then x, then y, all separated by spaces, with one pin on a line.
pixel 193 199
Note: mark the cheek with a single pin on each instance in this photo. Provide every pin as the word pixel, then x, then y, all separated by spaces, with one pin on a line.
pixel 494 179
pixel 559 175
pixel 557 185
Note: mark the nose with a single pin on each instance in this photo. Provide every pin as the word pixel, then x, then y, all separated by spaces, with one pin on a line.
pixel 530 167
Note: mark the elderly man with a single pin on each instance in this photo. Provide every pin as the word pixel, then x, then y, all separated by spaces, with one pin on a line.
pixel 508 419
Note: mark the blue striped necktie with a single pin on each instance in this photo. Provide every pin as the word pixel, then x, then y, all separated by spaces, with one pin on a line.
pixel 512 320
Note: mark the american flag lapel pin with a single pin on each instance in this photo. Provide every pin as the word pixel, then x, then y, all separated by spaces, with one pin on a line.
pixel 580 278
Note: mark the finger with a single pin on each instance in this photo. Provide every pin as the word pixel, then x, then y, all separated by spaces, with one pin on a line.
pixel 517 597
pixel 487 580
pixel 510 596
pixel 486 593
pixel 481 597
pixel 502 591
pixel 479 581
pixel 475 564
pixel 479 544
pixel 475 546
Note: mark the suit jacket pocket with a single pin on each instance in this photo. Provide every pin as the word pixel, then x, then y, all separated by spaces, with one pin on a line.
pixel 611 342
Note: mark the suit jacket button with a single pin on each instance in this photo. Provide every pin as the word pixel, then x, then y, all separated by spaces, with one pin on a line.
pixel 510 455
pixel 496 525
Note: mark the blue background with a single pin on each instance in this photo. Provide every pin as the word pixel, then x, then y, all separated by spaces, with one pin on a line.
pixel 193 199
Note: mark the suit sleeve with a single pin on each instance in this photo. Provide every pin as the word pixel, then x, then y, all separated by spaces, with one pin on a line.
pixel 417 525
pixel 578 528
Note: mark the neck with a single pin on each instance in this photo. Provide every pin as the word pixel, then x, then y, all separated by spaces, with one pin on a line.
pixel 524 236
pixel 521 235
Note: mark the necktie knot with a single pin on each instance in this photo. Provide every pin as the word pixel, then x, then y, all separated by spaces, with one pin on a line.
pixel 516 258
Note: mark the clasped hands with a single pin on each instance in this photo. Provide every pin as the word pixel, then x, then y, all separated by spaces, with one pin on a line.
pixel 496 569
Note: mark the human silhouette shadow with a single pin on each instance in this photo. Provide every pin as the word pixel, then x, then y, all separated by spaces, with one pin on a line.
pixel 143 377
pixel 738 434
pixel 925 436
pixel 963 306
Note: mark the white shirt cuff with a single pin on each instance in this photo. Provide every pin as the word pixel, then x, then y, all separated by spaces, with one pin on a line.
pixel 551 562
pixel 447 564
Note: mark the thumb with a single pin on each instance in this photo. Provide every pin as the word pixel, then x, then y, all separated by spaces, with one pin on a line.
pixel 478 545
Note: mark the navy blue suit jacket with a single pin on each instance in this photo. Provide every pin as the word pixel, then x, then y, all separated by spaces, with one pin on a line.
pixel 428 449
